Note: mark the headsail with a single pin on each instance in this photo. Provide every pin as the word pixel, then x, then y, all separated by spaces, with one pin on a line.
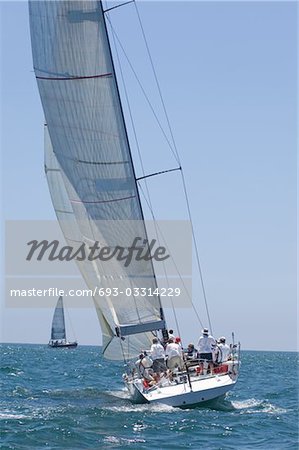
pixel 58 324
pixel 79 93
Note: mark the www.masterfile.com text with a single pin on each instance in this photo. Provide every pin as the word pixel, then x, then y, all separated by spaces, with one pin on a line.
pixel 97 291
pixel 52 292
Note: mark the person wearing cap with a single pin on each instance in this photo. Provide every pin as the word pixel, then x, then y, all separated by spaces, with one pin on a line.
pixel 178 341
pixel 206 347
pixel 223 350
pixel 171 334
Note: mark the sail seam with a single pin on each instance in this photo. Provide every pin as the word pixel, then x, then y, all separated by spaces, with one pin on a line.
pixel 107 163
pixel 104 201
pixel 51 170
pixel 64 212
pixel 104 75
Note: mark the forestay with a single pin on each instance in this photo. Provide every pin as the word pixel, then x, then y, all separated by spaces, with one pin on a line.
pixel 89 166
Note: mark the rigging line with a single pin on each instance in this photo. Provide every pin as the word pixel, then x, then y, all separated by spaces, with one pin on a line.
pixel 176 319
pixel 178 159
pixel 123 352
pixel 129 107
pixel 158 173
pixel 149 202
pixel 196 251
pixel 118 6
pixel 157 83
pixel 144 93
pixel 124 124
pixel 163 263
pixel 175 153
pixel 134 300
pixel 148 199
pixel 133 128
pixel 178 272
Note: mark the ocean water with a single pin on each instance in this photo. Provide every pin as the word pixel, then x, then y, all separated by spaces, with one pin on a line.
pixel 74 399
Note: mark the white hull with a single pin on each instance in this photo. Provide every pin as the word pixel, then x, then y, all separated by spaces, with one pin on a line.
pixel 181 395
pixel 62 344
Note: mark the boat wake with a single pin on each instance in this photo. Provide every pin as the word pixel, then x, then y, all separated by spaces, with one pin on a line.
pixel 253 406
pixel 140 408
pixel 128 406
pixel 122 394
pixel 7 415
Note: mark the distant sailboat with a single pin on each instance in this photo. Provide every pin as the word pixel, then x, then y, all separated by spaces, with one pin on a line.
pixel 58 334
pixel 95 193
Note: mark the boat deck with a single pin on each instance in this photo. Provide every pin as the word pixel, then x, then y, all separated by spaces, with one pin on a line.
pixel 185 388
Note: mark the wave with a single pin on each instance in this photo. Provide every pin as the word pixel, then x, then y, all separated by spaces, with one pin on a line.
pixel 122 394
pixel 12 416
pixel 120 440
pixel 87 392
pixel 252 406
pixel 140 408
pixel 20 391
pixel 12 371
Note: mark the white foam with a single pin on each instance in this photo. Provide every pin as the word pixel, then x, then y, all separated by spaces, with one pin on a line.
pixel 5 416
pixel 253 406
pixel 116 440
pixel 245 404
pixel 119 394
pixel 132 407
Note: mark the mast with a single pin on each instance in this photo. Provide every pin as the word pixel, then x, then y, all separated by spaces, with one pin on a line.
pixel 127 138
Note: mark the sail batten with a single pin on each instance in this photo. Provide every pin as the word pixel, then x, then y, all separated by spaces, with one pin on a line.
pixel 74 77
pixel 126 330
pixel 89 164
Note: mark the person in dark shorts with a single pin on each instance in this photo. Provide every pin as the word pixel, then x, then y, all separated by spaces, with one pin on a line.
pixel 206 347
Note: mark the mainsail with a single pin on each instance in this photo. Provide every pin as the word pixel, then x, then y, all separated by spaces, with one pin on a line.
pixel 89 166
pixel 58 324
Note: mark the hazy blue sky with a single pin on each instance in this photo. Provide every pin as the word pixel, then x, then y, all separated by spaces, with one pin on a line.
pixel 228 72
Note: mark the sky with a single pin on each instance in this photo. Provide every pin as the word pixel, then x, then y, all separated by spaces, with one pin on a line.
pixel 228 74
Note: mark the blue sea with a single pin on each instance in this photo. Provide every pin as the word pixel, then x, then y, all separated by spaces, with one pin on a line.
pixel 74 399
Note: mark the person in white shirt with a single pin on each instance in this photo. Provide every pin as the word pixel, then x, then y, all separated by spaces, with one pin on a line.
pixel 158 356
pixel 191 352
pixel 143 365
pixel 206 347
pixel 174 353
pixel 223 351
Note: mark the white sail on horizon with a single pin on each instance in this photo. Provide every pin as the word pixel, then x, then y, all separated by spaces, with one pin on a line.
pixel 58 322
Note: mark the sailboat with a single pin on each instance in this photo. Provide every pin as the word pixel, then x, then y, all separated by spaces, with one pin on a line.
pixel 95 193
pixel 58 335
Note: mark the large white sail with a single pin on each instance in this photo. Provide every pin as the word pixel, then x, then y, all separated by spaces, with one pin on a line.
pixel 88 164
